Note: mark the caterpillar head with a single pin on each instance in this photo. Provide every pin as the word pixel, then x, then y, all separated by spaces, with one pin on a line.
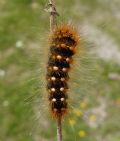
pixel 65 35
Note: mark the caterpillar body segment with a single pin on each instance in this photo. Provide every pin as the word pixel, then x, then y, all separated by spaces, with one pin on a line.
pixel 63 42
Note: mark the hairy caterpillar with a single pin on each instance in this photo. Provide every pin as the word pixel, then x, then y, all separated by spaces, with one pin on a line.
pixel 63 42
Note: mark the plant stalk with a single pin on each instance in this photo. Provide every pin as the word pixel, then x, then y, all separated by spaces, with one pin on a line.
pixel 59 129
pixel 53 13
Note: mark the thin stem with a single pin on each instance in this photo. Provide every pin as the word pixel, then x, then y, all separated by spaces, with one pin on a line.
pixel 53 13
pixel 59 129
pixel 51 8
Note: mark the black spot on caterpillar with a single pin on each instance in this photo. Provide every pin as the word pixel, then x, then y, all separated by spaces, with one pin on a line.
pixel 63 42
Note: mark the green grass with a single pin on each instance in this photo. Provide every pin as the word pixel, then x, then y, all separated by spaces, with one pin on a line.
pixel 23 112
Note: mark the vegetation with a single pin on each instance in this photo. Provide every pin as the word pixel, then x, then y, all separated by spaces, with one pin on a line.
pixel 94 87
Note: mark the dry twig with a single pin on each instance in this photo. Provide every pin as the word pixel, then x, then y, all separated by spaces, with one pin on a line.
pixel 51 8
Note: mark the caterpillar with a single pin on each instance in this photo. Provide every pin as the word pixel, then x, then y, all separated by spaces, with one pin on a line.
pixel 63 41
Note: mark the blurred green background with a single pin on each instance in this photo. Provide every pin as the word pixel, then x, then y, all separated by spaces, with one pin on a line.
pixel 95 81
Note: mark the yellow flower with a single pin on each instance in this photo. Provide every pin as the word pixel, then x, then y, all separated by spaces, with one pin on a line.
pixel 117 101
pixel 83 105
pixel 72 122
pixel 82 133
pixel 92 118
pixel 77 112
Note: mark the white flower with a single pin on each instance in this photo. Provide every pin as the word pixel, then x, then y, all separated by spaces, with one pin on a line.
pixel 19 44
pixel 5 103
pixel 2 73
